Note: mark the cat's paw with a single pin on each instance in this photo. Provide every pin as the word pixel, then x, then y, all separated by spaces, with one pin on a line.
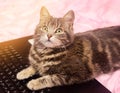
pixel 34 85
pixel 22 75
pixel 25 73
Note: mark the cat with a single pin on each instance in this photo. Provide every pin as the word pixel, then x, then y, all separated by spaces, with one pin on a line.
pixel 64 58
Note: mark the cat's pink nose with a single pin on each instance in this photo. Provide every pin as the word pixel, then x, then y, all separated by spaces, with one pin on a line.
pixel 49 36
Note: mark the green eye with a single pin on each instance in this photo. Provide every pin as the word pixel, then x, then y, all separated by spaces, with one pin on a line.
pixel 59 30
pixel 44 28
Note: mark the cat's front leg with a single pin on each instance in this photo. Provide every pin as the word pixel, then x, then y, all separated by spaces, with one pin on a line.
pixel 26 73
pixel 47 82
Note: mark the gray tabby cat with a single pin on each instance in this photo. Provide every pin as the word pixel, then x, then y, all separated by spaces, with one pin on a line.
pixel 64 58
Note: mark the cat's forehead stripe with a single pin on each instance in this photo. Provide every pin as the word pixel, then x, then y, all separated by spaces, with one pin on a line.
pixel 54 23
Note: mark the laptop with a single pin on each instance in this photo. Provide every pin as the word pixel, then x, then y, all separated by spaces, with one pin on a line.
pixel 14 58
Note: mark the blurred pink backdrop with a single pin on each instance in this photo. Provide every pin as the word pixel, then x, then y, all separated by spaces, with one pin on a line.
pixel 18 18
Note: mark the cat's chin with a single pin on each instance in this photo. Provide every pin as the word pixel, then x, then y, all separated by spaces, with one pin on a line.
pixel 48 45
pixel 51 45
pixel 60 46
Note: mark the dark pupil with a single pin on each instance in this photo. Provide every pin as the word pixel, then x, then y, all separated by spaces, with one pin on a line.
pixel 44 28
pixel 58 30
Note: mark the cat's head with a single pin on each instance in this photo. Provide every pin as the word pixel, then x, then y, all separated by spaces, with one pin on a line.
pixel 54 32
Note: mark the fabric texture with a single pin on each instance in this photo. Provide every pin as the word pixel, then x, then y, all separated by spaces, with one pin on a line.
pixel 18 18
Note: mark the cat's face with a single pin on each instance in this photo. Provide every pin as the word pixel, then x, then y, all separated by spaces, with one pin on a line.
pixel 54 32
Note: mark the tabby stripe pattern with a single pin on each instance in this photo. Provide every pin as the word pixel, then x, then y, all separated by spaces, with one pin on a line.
pixel 47 56
pixel 103 50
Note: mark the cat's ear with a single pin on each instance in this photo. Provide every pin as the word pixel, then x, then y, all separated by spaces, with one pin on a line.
pixel 69 16
pixel 44 13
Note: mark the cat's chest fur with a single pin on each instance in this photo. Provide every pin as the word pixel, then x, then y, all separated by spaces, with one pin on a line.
pixel 45 59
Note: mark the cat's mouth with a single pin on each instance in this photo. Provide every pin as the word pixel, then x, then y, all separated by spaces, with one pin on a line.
pixel 51 44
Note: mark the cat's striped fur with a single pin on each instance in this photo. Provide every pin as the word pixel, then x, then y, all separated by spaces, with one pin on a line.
pixel 83 58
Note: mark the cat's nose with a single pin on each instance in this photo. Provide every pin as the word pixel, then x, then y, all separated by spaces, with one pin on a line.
pixel 49 36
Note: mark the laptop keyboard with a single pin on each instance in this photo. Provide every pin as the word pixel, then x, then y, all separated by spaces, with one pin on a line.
pixel 11 62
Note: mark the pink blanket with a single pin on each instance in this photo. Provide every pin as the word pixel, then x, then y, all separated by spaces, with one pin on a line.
pixel 18 18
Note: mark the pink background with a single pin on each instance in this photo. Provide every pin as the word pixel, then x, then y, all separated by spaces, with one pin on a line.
pixel 18 18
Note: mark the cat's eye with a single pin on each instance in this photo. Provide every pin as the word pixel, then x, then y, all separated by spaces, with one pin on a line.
pixel 44 28
pixel 59 30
